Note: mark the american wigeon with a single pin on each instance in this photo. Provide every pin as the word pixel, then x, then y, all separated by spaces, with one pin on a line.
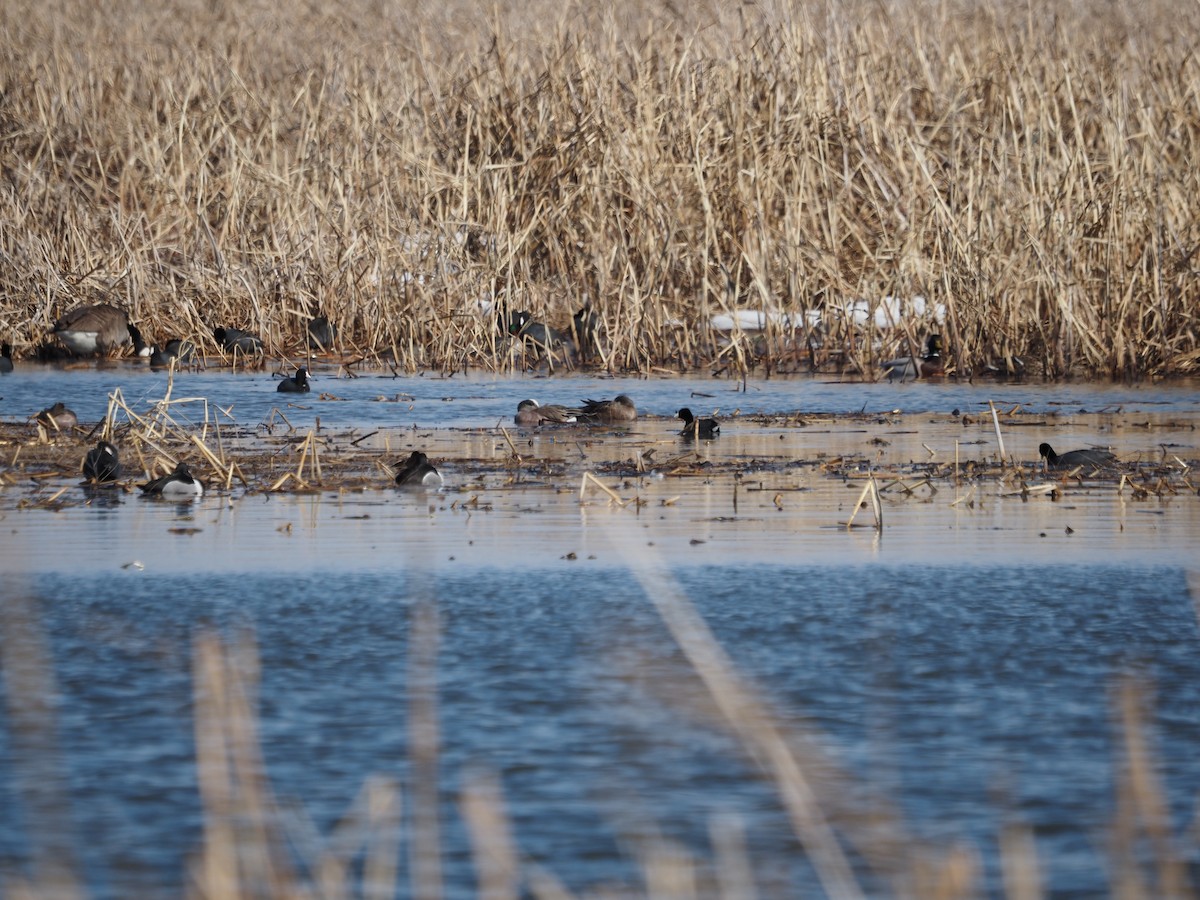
pixel 234 340
pixel 99 328
pixel 181 351
pixel 6 363
pixel 706 427
pixel 618 409
pixel 57 418
pixel 919 366
pixel 297 384
pixel 530 412
pixel 321 334
pixel 417 471
pixel 179 484
pixel 102 463
pixel 1091 458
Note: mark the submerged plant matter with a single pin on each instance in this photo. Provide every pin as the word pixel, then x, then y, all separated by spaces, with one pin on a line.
pixel 738 187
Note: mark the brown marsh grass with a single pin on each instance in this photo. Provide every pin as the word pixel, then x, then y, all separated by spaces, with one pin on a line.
pixel 401 167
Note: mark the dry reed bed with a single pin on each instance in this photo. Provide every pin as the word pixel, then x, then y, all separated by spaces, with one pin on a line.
pixel 396 167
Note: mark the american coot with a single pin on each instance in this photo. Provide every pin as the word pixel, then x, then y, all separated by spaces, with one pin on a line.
pixel 57 418
pixel 297 384
pixel 529 412
pixel 102 463
pixel 1091 458
pixel 618 409
pixel 180 351
pixel 321 334
pixel 235 340
pixel 692 427
pixel 417 471
pixel 99 328
pixel 919 366
pixel 6 363
pixel 585 326
pixel 179 484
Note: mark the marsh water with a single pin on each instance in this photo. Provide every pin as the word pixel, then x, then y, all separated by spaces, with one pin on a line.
pixel 958 669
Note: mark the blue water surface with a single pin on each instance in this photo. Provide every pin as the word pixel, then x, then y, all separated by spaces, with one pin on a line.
pixel 477 400
pixel 962 699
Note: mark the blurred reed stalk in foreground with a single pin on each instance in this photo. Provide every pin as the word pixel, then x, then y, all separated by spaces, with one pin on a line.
pixel 253 846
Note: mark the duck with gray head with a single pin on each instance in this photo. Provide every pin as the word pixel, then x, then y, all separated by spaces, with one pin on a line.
pixel 614 411
pixel 57 418
pixel 417 471
pixel 530 412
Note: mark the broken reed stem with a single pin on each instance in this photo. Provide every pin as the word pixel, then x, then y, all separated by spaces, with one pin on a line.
pixel 511 445
pixel 870 489
pixel 589 478
pixel 305 445
pixel 999 436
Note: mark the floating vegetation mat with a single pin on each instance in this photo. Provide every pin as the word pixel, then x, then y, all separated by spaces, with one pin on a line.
pixel 760 452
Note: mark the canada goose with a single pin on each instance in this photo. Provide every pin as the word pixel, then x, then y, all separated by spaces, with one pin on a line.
pixel 140 348
pixel 529 412
pixel 692 427
pixel 537 334
pixel 417 471
pixel 102 463
pixel 87 330
pixel 297 384
pixel 178 484
pixel 619 409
